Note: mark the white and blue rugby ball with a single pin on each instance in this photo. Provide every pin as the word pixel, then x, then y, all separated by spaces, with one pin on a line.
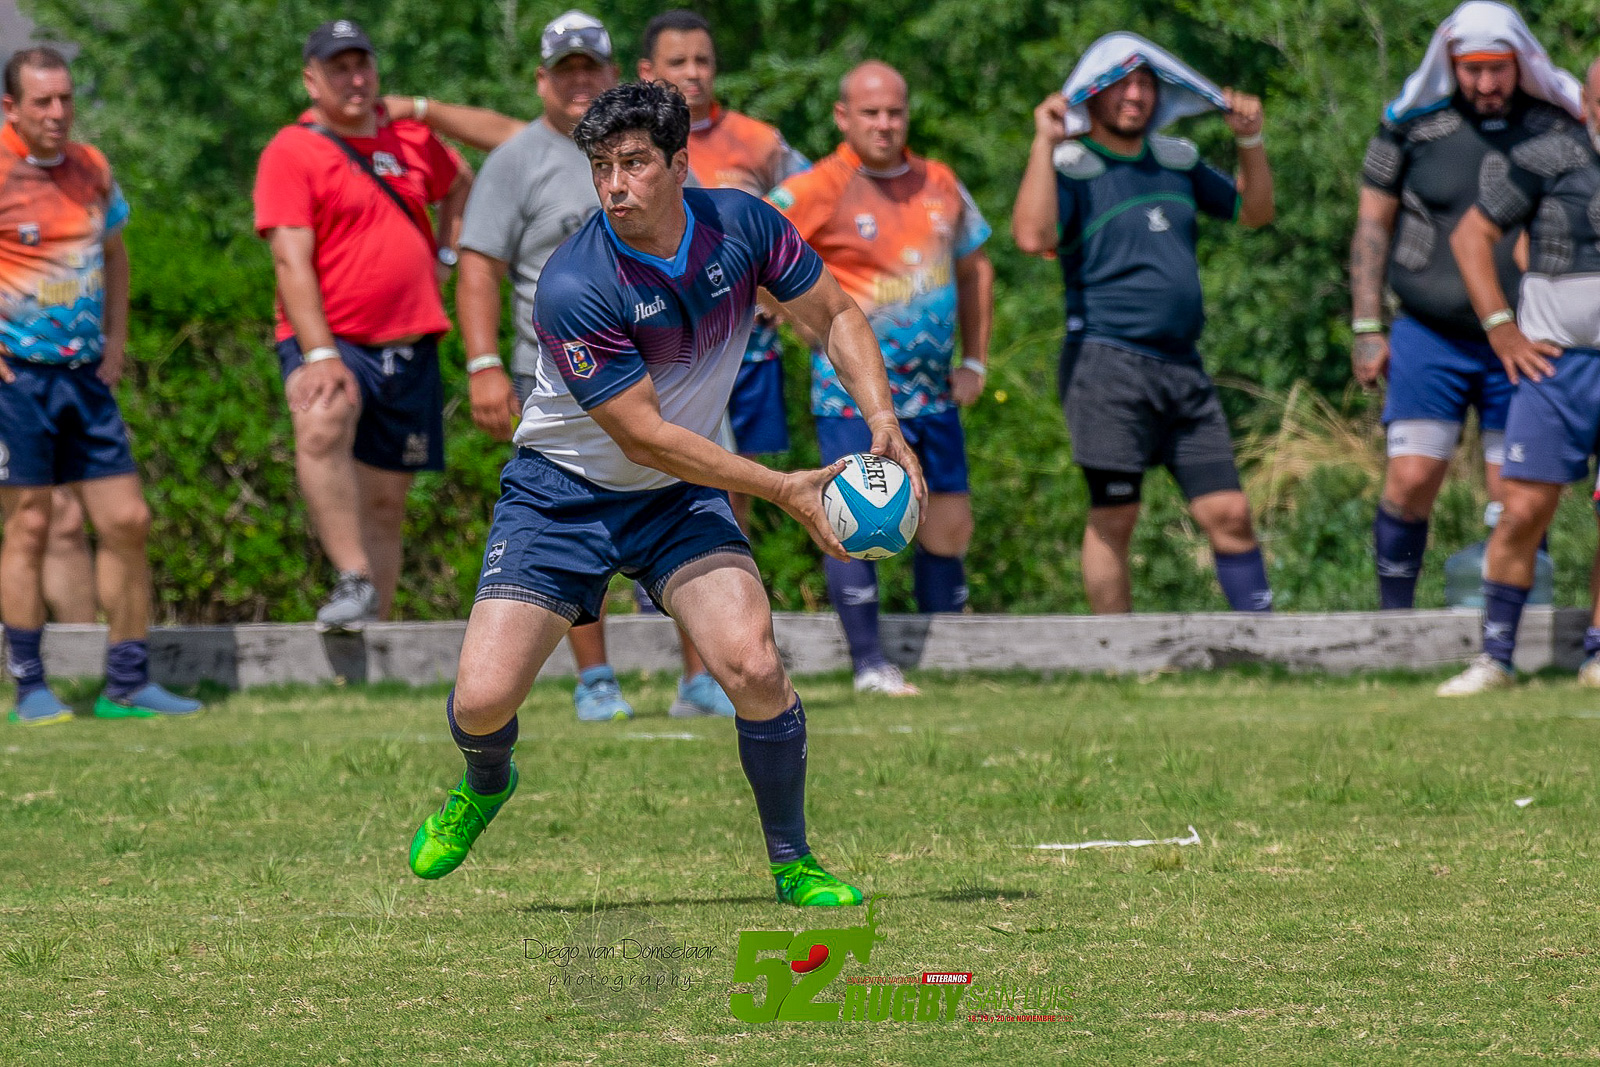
pixel 871 507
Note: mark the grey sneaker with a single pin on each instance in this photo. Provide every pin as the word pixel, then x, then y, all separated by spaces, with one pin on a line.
pixel 352 604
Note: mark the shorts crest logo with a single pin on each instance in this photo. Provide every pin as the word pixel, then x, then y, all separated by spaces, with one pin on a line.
pixel 866 226
pixel 580 359
pixel 496 551
pixel 28 233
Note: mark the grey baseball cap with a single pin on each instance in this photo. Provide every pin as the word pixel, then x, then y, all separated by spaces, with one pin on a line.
pixel 571 34
pixel 340 35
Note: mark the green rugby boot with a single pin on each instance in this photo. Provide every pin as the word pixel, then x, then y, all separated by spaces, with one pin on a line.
pixel 805 884
pixel 445 837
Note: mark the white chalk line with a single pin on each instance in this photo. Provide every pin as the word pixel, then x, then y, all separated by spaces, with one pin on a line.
pixel 1192 839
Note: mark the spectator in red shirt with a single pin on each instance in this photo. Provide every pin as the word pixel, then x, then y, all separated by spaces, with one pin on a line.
pixel 342 196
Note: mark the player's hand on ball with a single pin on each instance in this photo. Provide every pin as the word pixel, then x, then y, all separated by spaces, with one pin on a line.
pixel 495 410
pixel 321 383
pixel 801 497
pixel 1523 358
pixel 888 441
pixel 1369 359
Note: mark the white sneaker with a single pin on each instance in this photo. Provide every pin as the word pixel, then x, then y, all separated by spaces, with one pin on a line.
pixel 1589 673
pixel 885 681
pixel 1483 675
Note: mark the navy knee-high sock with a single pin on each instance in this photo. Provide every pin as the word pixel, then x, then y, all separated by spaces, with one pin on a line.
pixel 1243 577
pixel 853 589
pixel 23 660
pixel 127 668
pixel 1399 544
pixel 940 582
pixel 488 756
pixel 773 755
pixel 1502 614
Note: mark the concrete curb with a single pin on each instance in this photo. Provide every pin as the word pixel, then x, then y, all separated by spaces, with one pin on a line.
pixel 240 657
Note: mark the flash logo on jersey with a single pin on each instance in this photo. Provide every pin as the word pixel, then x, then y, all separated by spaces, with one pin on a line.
pixel 387 165
pixel 866 226
pixel 28 233
pixel 1158 220
pixel 580 359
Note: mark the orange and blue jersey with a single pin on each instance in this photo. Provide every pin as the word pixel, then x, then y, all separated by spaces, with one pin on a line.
pixel 892 241
pixel 734 151
pixel 54 221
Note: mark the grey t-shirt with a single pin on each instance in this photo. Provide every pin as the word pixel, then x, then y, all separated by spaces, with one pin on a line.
pixel 533 192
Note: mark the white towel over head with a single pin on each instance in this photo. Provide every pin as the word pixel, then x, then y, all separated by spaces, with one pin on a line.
pixel 1116 55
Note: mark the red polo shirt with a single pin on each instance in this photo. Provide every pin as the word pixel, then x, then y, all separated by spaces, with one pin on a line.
pixel 375 266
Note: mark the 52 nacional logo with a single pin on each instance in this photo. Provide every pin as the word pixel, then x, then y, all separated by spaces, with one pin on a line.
pixel 808 964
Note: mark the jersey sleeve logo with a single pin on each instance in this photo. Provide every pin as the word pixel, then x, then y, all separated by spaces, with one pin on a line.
pixel 28 233
pixel 782 199
pixel 579 359
pixel 866 226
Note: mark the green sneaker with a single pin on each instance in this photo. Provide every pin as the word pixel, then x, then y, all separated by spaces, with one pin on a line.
pixel 805 884
pixel 445 837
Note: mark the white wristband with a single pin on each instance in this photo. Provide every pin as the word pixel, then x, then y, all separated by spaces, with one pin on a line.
pixel 978 367
pixel 484 362
pixel 318 355
pixel 419 108
pixel 1253 141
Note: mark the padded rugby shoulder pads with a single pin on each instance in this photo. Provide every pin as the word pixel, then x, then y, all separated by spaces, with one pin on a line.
pixel 1074 161
pixel 1174 153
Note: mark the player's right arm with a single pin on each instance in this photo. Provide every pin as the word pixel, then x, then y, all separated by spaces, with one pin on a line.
pixel 1035 218
pixel 1369 257
pixel 476 127
pixel 1473 244
pixel 494 401
pixel 294 264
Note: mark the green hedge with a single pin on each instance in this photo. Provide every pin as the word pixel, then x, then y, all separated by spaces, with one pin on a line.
pixel 183 97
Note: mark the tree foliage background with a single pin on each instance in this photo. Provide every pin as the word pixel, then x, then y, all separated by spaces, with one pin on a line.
pixel 184 96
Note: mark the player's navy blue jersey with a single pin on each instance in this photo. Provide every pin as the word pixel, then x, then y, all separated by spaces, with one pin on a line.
pixel 1128 233
pixel 607 314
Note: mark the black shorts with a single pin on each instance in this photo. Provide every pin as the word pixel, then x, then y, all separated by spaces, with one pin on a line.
pixel 1128 412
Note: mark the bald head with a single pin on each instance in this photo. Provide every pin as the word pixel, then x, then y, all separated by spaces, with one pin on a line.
pixel 873 74
pixel 871 113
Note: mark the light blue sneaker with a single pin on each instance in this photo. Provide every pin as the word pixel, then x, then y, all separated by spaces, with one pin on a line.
pixel 700 695
pixel 598 697
pixel 40 708
pixel 147 703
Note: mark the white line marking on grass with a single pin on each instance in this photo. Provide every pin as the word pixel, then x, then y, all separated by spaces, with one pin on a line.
pixel 1192 839
pixel 662 737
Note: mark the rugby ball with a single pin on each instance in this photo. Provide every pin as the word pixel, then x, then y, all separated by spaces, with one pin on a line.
pixel 871 507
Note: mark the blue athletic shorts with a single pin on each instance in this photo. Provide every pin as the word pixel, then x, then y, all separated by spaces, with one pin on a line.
pixel 938 441
pixel 1553 424
pixel 756 409
pixel 60 424
pixel 1432 376
pixel 557 539
pixel 401 427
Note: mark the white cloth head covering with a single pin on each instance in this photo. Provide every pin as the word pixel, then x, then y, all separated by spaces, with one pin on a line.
pixel 1115 56
pixel 1483 26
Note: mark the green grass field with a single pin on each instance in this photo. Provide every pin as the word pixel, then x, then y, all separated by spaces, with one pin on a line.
pixel 1367 887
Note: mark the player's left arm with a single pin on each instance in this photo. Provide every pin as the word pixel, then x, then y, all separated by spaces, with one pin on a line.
pixel 114 316
pixel 826 312
pixel 1245 118
pixel 974 314
pixel 633 420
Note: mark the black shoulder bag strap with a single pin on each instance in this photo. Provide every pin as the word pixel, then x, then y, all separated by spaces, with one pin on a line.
pixel 366 165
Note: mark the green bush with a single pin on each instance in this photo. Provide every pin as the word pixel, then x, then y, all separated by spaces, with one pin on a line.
pixel 183 97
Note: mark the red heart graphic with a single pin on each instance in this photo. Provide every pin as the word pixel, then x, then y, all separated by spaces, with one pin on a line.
pixel 819 955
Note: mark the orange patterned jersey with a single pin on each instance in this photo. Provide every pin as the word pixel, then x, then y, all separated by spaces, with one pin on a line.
pixel 891 240
pixel 734 151
pixel 54 221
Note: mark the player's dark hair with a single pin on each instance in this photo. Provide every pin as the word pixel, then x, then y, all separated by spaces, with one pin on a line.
pixel 40 58
pixel 677 20
pixel 655 108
